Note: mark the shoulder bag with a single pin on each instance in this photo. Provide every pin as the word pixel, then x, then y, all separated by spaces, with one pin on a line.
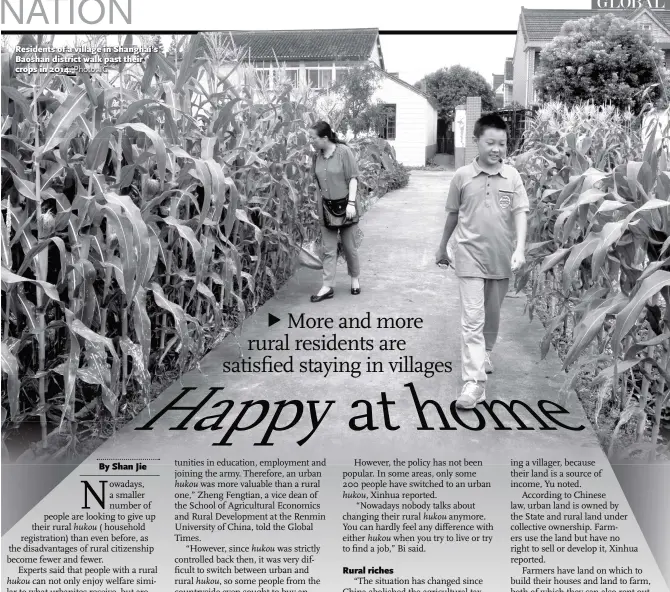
pixel 335 210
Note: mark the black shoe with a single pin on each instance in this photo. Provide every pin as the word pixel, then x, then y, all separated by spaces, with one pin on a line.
pixel 316 298
pixel 356 291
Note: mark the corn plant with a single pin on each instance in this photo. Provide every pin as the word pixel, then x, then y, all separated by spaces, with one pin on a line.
pixel 599 253
pixel 144 214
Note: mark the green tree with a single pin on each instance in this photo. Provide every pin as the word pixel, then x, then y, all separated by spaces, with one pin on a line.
pixel 604 59
pixel 451 86
pixel 355 87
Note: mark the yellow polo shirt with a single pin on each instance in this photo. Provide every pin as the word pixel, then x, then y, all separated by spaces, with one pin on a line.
pixel 486 203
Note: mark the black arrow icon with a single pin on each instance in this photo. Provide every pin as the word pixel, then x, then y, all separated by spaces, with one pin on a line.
pixel 272 320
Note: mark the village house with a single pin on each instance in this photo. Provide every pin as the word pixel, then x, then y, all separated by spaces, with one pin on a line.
pixel 508 82
pixel 317 58
pixel 502 85
pixel 498 87
pixel 537 27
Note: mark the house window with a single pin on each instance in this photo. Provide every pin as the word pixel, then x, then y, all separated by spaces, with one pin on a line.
pixel 264 74
pixel 320 75
pixel 287 72
pixel 646 26
pixel 249 76
pixel 389 129
pixel 666 57
pixel 343 66
pixel 293 76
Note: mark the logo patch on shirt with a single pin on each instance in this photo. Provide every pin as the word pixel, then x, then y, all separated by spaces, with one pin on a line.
pixel 505 199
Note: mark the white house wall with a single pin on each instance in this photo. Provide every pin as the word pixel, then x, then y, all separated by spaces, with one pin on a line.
pixel 411 125
pixel 530 76
pixel 431 130
pixel 519 89
pixel 374 56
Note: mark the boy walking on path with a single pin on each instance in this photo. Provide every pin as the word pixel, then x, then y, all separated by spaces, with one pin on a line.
pixel 487 206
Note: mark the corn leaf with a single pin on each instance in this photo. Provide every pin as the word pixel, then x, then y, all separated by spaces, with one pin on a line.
pixel 24 187
pixel 186 232
pixel 28 309
pixel 19 100
pixel 665 246
pixel 652 204
pixel 588 328
pixel 186 70
pixel 141 245
pixel 652 267
pixel 149 71
pixel 202 173
pixel 59 124
pixel 569 190
pixel 545 343
pixel 158 144
pixel 15 163
pixel 98 148
pixel 122 229
pixel 241 215
pixel 142 324
pixel 38 248
pixel 231 210
pixel 608 373
pixel 560 221
pixel 638 348
pixel 10 366
pixel 171 100
pixel 579 252
pixel 53 171
pixel 139 368
pixel 70 376
pixel 97 372
pixel 590 196
pixel 179 318
pixel 627 317
pixel 611 232
pixel 134 108
pixel 219 185
pixel 10 278
pixel 225 117
pixel 207 144
pixel 5 249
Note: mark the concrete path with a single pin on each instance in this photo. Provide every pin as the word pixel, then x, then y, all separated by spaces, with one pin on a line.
pixel 444 160
pixel 399 280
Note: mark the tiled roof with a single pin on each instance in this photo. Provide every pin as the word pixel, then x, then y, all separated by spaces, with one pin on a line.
pixel 545 24
pixel 664 17
pixel 325 44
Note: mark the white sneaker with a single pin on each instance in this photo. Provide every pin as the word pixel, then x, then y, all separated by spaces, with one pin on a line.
pixel 488 364
pixel 471 394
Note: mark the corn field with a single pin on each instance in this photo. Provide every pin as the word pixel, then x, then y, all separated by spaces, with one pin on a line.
pixel 144 216
pixel 599 261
